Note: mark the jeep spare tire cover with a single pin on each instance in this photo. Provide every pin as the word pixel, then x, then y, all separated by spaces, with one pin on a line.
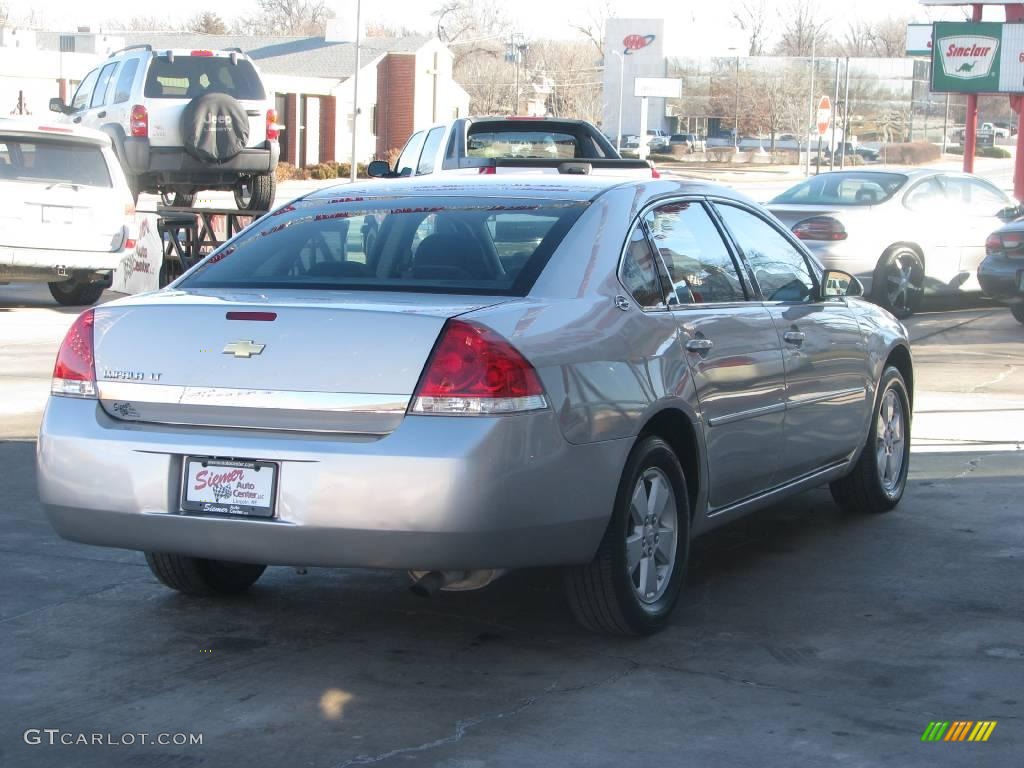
pixel 214 128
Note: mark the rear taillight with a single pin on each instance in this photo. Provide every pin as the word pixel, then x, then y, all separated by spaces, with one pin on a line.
pixel 475 372
pixel 273 129
pixel 820 228
pixel 139 122
pixel 74 374
pixel 488 170
pixel 1011 243
pixel 654 173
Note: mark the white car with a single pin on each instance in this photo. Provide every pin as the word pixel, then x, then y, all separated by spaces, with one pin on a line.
pixel 183 121
pixel 66 214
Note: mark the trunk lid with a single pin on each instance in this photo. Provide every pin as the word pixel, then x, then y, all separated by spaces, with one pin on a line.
pixel 327 361
pixel 790 215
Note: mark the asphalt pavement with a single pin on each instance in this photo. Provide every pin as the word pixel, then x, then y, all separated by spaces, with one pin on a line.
pixel 805 637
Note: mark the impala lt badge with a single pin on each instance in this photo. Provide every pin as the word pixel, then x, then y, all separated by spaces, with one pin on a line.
pixel 243 348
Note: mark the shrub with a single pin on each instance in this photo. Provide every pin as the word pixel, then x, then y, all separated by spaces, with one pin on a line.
pixel 335 170
pixel 995 152
pixel 913 153
pixel 288 172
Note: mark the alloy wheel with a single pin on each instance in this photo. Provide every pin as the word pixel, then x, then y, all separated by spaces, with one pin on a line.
pixel 651 538
pixel 902 290
pixel 890 439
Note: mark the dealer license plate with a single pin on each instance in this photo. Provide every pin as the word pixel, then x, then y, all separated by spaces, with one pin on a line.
pixel 229 487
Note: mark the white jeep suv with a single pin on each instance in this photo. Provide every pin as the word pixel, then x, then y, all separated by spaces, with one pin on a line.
pixel 183 121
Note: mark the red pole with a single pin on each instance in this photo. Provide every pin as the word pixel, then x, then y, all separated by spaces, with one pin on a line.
pixel 971 129
pixel 1016 13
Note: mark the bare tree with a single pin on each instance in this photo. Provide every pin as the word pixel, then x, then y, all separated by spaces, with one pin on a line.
pixel 592 26
pixel 858 39
pixel 752 18
pixel 207 23
pixel 5 13
pixel 286 17
pixel 571 76
pixel 472 28
pixel 382 29
pixel 890 37
pixel 804 30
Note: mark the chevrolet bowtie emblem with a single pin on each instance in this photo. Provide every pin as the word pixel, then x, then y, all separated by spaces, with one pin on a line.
pixel 243 348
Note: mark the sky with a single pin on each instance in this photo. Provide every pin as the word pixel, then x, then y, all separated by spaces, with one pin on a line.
pixel 692 26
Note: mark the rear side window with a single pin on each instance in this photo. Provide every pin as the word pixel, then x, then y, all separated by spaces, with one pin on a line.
pixel 125 79
pixel 53 162
pixel 437 245
pixel 639 271
pixel 188 77
pixel 699 264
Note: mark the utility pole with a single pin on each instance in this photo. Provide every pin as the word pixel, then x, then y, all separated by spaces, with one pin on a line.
pixel 618 124
pixel 736 126
pixel 810 122
pixel 355 91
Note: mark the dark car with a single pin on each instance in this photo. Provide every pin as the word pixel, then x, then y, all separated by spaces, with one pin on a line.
pixel 1001 274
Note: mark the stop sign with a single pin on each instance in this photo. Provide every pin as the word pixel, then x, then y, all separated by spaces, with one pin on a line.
pixel 824 115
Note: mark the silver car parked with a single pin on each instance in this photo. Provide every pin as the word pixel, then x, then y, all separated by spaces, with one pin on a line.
pixel 902 233
pixel 519 372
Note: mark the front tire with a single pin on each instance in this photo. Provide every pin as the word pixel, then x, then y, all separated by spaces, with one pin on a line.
pixel 256 193
pixel 71 294
pixel 198 577
pixel 879 477
pixel 1018 312
pixel 898 283
pixel 177 199
pixel 636 577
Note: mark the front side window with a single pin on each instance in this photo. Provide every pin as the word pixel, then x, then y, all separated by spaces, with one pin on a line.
pixel 84 93
pixel 698 262
pixel 780 269
pixel 639 272
pixel 100 93
pixel 406 164
pixel 426 244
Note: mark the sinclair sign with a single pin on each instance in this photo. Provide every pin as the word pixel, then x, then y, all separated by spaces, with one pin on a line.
pixel 986 57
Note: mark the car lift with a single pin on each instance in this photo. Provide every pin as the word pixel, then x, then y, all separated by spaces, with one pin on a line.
pixel 189 234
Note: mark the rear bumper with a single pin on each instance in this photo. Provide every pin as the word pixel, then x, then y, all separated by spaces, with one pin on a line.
pixel 174 164
pixel 437 493
pixel 44 265
pixel 1000 279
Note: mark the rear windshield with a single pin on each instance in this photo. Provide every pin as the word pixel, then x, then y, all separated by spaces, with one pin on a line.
pixel 846 188
pixel 437 245
pixel 190 76
pixel 531 139
pixel 56 162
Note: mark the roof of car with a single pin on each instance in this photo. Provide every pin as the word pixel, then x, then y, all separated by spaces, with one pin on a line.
pixel 540 186
pixel 35 128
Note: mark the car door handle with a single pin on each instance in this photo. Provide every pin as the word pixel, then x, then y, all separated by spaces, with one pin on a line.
pixel 102 114
pixel 794 337
pixel 699 345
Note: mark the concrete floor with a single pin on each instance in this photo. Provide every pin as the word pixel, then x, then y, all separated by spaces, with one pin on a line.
pixel 805 638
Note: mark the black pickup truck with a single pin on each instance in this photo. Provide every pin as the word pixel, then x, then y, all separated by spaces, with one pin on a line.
pixel 478 145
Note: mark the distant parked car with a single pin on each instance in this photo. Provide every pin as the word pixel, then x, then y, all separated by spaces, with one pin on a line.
pixel 689 141
pixel 68 215
pixel 996 129
pixel 900 233
pixel 657 140
pixel 1001 274
pixel 849 149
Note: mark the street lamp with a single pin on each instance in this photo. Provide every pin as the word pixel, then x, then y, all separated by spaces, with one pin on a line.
pixel 355 93
pixel 736 119
pixel 618 124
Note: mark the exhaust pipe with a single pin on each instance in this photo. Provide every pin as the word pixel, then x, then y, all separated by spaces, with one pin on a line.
pixel 429 583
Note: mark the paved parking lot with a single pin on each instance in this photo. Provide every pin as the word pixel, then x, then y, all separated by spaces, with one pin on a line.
pixel 805 638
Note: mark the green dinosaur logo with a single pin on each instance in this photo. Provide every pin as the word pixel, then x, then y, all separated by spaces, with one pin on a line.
pixel 965 67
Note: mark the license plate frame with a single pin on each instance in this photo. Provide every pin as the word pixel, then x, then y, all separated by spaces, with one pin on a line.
pixel 247 482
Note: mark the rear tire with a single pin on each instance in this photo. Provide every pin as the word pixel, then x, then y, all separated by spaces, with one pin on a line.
pixel 178 199
pixel 617 592
pixel 879 477
pixel 199 577
pixel 898 282
pixel 72 294
pixel 1017 310
pixel 256 193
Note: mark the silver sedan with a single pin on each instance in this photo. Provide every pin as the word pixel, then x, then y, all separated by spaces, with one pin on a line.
pixel 529 372
pixel 902 233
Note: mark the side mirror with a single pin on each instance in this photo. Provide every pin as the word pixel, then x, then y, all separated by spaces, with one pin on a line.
pixel 57 105
pixel 1010 213
pixel 379 169
pixel 837 284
